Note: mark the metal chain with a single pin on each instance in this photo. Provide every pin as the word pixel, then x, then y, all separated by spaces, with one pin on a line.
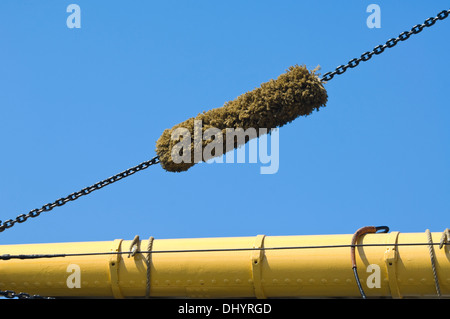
pixel 85 191
pixel 389 44
pixel 21 295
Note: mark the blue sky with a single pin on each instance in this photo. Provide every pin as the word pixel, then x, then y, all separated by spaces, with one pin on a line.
pixel 80 105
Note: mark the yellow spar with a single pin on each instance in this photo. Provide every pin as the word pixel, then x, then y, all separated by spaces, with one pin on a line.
pixel 393 264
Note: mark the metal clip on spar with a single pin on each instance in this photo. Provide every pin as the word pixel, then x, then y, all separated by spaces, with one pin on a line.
pixel 445 239
pixel 356 236
pixel 134 246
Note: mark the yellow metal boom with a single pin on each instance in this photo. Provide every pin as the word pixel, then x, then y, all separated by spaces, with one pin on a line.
pixel 389 265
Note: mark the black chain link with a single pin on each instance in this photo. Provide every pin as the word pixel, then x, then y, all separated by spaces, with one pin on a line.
pixel 85 191
pixel 389 44
pixel 21 295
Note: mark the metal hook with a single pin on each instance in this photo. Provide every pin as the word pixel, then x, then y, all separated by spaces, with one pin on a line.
pixel 360 232
pixel 385 229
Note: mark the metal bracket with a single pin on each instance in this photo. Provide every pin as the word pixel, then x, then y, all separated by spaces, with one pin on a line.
pixel 390 258
pixel 445 239
pixel 257 258
pixel 114 269
pixel 134 246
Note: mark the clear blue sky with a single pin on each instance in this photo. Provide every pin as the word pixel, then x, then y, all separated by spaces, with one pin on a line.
pixel 80 105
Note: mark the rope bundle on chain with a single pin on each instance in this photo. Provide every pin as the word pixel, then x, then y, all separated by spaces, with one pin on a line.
pixel 298 92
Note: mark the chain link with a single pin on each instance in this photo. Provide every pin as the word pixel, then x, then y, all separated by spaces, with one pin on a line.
pixel 389 44
pixel 21 295
pixel 85 191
